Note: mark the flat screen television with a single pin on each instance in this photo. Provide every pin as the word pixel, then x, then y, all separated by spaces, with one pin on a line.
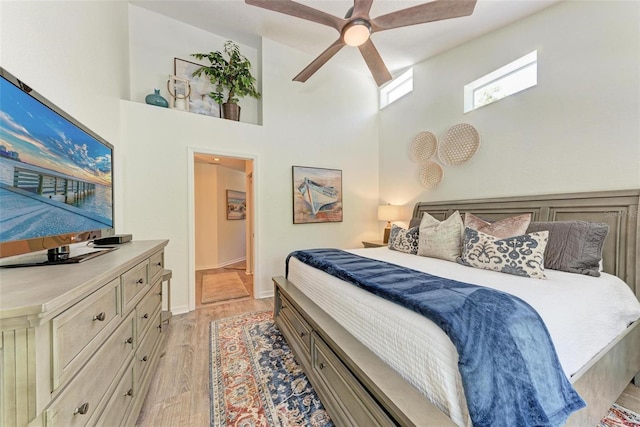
pixel 56 181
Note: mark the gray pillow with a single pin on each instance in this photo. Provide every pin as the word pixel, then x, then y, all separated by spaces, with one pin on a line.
pixel 573 246
pixel 415 222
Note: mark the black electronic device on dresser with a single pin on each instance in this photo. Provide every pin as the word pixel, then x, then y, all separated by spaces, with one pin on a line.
pixel 116 239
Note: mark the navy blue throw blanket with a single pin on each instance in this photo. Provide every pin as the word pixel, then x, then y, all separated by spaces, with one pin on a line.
pixel 509 368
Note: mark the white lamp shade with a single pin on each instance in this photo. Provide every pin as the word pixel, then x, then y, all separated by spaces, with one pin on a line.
pixel 389 213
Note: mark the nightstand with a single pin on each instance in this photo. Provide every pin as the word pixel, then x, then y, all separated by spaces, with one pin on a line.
pixel 374 244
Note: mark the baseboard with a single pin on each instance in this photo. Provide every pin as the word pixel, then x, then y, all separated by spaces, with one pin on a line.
pixel 265 294
pixel 224 264
pixel 181 309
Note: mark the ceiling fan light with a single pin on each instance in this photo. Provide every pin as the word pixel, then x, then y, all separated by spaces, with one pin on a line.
pixel 356 32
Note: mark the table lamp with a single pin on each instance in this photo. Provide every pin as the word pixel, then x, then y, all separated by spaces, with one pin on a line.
pixel 388 213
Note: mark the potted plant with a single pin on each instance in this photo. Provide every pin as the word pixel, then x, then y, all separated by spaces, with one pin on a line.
pixel 232 74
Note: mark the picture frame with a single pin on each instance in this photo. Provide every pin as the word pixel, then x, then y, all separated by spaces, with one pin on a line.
pixel 199 101
pixel 317 195
pixel 236 205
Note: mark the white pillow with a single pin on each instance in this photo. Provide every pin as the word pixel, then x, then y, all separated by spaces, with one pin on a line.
pixel 441 239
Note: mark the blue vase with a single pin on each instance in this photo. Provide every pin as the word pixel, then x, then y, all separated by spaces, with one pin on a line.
pixel 156 99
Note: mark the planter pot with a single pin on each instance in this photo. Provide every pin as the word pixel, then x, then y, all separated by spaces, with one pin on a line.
pixel 231 111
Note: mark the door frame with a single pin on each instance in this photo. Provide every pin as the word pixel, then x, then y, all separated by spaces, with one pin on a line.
pixel 191 256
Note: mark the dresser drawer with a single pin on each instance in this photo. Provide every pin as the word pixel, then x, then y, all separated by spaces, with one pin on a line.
pixel 145 351
pixel 336 384
pixel 156 265
pixel 147 308
pixel 301 328
pixel 81 329
pixel 118 406
pixel 134 282
pixel 86 394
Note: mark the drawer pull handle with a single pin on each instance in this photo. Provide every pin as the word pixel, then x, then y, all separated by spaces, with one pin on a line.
pixel 144 359
pixel 82 409
pixel 129 340
pixel 283 306
pixel 100 317
pixel 302 334
pixel 129 393
pixel 321 366
pixel 145 316
pixel 159 264
pixel 140 281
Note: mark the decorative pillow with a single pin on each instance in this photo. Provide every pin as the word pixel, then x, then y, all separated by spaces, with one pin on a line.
pixel 574 246
pixel 519 255
pixel 441 239
pixel 403 240
pixel 506 227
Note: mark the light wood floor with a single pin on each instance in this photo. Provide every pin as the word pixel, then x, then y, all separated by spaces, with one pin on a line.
pixel 179 392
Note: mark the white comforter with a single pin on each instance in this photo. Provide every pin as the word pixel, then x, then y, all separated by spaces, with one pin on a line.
pixel 583 314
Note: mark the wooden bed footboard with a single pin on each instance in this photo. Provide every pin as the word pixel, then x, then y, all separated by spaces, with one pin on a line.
pixel 603 379
pixel 356 387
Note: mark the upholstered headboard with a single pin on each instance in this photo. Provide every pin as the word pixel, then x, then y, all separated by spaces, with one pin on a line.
pixel 619 209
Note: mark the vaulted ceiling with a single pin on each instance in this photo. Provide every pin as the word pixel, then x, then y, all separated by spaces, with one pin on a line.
pixel 399 48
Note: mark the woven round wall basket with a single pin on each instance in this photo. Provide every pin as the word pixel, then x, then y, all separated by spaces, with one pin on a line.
pixel 423 147
pixel 458 144
pixel 430 174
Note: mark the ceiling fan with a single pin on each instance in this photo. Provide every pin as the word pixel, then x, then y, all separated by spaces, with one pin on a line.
pixel 356 27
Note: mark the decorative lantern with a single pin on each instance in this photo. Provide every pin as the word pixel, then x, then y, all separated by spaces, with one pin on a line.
pixel 179 90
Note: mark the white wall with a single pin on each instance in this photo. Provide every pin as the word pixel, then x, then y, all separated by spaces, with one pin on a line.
pixel 218 241
pixel 330 121
pixel 576 131
pixel 155 40
pixel 76 55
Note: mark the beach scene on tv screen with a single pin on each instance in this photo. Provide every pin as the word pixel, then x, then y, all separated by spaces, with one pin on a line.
pixel 55 178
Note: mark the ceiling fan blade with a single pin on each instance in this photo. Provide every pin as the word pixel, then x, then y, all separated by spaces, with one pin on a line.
pixel 434 11
pixel 375 63
pixel 299 10
pixel 361 8
pixel 319 61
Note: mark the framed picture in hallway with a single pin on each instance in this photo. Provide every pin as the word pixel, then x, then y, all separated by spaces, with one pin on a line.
pixel 317 195
pixel 236 204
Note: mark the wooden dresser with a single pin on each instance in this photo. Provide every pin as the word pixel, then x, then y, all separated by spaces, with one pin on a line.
pixel 80 341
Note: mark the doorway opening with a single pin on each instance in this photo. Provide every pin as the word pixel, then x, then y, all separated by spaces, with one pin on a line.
pixel 223 228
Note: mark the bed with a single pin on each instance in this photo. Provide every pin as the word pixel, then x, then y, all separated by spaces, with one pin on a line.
pixel 362 384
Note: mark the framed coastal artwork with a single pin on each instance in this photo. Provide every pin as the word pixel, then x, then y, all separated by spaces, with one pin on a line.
pixel 199 101
pixel 236 204
pixel 317 195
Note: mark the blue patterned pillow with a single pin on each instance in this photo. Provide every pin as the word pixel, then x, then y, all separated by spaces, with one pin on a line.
pixel 404 240
pixel 519 255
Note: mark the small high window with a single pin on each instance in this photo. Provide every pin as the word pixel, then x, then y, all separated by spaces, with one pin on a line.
pixel 396 88
pixel 519 75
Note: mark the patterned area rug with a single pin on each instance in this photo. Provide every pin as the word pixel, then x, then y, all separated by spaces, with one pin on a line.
pixel 221 287
pixel 255 381
pixel 619 416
